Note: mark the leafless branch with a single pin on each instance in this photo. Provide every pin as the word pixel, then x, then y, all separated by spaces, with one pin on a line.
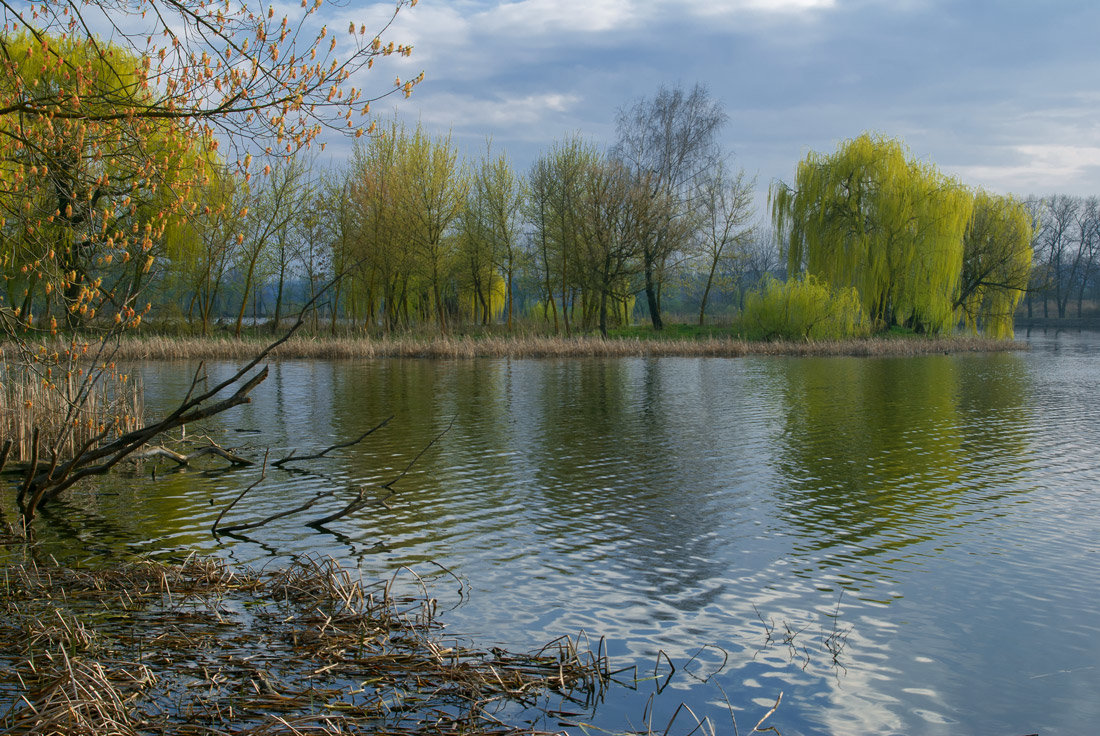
pixel 181 459
pixel 351 443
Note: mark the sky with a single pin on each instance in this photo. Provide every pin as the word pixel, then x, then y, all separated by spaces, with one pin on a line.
pixel 1002 95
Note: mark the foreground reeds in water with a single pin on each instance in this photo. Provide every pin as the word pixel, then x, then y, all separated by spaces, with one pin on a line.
pixel 445 347
pixel 66 412
pixel 196 648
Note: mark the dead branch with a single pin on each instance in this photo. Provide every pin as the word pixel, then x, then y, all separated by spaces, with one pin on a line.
pixel 180 459
pixel 263 474
pixel 420 454
pixel 360 501
pixel 114 452
pixel 247 526
pixel 292 457
pixel 96 459
pixel 774 708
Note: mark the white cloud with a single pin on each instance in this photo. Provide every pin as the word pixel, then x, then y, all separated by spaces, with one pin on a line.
pixel 727 7
pixel 1036 168
pixel 545 17
pixel 486 114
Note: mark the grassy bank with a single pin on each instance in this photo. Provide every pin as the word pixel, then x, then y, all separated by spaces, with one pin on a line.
pixel 641 345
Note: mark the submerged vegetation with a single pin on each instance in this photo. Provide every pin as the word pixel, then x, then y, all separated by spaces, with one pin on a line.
pixel 192 647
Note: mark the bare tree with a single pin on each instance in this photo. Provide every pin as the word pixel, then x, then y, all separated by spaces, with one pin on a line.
pixel 1088 239
pixel 727 207
pixel 669 140
pixel 275 205
pixel 1058 215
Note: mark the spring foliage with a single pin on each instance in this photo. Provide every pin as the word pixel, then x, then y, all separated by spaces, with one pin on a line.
pixel 112 151
pixel 996 264
pixel 872 218
pixel 803 309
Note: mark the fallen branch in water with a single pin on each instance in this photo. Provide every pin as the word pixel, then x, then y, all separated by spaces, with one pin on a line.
pixel 93 458
pixel 359 501
pixel 318 455
pixel 179 458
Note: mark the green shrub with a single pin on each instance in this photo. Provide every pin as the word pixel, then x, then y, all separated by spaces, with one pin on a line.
pixel 803 309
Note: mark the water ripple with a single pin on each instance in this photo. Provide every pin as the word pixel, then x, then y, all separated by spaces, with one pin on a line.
pixel 939 512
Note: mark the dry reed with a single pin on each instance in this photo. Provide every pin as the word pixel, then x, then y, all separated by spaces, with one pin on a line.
pixel 67 412
pixel 197 648
pixel 444 347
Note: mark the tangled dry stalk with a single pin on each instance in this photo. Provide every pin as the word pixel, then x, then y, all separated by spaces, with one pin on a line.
pixel 193 648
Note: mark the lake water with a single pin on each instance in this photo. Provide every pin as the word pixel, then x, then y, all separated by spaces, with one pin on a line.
pixel 920 536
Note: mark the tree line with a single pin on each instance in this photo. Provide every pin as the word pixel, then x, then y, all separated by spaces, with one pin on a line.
pixel 112 216
pixel 1067 256
pixel 421 236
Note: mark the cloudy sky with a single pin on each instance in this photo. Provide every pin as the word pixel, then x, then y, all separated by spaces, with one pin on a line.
pixel 1002 94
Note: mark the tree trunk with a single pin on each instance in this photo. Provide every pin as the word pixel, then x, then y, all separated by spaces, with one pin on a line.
pixel 508 286
pixel 651 294
pixel 335 305
pixel 244 297
pixel 278 300
pixel 564 304
pixel 706 292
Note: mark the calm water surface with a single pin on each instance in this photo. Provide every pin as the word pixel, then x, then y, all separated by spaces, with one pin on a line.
pixel 940 514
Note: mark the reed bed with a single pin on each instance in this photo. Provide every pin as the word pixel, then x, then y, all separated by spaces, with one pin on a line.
pixel 443 347
pixel 67 411
pixel 194 647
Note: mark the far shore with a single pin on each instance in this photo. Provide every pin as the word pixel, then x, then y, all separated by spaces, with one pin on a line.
pixel 465 347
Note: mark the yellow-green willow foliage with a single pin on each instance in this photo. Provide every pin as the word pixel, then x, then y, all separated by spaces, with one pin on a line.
pixel 870 217
pixel 489 234
pixel 409 190
pixel 87 194
pixel 996 264
pixel 433 193
pixel 803 309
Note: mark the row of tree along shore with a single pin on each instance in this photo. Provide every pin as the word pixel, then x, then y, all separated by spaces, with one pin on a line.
pixel 409 235
pixel 172 178
pixel 405 234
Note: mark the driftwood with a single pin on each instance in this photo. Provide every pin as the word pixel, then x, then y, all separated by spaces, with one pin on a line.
pixel 179 458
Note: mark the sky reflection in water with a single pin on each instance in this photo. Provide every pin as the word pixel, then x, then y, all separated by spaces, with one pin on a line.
pixel 943 508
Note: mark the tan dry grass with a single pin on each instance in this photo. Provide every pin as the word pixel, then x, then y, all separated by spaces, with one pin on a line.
pixel 67 412
pixel 166 348
pixel 197 648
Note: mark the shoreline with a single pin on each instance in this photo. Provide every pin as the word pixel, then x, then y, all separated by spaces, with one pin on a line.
pixel 459 348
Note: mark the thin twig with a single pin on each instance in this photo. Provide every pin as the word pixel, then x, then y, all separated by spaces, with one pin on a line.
pixel 263 474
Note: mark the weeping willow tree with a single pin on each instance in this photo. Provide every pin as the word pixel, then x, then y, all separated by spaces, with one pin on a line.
pixel 803 309
pixel 872 218
pixel 996 264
